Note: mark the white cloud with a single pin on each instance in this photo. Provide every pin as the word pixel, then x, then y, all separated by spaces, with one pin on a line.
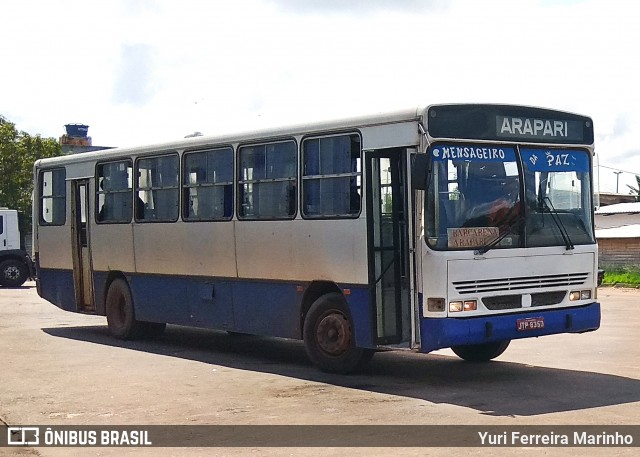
pixel 358 6
pixel 134 82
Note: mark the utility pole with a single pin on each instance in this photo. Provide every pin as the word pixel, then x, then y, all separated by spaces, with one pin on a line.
pixel 617 179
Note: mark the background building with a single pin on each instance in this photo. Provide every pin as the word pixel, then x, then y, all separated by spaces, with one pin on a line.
pixel 618 235
pixel 77 140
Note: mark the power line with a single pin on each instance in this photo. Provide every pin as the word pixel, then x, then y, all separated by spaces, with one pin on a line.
pixel 618 169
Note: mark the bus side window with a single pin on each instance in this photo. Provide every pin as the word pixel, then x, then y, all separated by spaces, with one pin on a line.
pixel 52 196
pixel 157 188
pixel 267 181
pixel 208 185
pixel 332 176
pixel 114 192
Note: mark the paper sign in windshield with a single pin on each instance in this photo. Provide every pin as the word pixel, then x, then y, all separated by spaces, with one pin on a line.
pixel 471 237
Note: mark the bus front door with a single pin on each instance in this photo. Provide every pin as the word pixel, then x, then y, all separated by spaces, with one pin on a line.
pixel 82 271
pixel 387 231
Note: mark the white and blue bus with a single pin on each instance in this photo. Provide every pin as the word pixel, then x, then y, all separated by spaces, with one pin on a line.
pixel 451 226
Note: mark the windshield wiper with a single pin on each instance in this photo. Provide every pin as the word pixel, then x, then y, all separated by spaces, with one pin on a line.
pixel 546 203
pixel 512 225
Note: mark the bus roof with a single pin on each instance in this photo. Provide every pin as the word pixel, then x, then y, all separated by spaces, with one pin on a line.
pixel 244 136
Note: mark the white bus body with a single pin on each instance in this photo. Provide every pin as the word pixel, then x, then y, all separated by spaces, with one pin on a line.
pixel 318 232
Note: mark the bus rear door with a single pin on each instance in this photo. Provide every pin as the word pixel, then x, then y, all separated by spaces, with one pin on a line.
pixel 80 236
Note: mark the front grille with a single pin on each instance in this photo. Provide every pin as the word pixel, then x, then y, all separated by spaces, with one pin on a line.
pixel 548 298
pixel 519 283
pixel 502 302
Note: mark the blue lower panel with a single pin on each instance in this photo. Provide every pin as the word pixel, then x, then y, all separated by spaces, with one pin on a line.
pixel 361 315
pixel 447 332
pixel 182 300
pixel 99 282
pixel 266 308
pixel 57 287
pixel 257 307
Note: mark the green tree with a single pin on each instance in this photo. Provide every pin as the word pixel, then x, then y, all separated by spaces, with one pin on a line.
pixel 18 152
pixel 635 190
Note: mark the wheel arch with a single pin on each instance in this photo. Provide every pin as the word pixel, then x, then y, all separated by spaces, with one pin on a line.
pixel 315 290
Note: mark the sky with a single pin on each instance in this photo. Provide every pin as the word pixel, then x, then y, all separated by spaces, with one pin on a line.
pixel 148 71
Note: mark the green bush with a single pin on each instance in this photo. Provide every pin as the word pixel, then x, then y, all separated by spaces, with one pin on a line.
pixel 621 275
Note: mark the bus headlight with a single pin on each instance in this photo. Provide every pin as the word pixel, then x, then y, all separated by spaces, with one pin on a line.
pixel 575 295
pixel 467 305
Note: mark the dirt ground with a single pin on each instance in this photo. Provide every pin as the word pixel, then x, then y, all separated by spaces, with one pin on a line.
pixel 59 368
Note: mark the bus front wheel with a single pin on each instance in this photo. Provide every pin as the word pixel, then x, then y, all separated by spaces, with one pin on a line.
pixel 329 338
pixel 481 352
pixel 121 318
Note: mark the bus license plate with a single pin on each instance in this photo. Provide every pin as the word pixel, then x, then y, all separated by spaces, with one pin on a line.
pixel 532 323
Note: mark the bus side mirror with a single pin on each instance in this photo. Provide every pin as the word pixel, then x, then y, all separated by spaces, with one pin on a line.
pixel 420 171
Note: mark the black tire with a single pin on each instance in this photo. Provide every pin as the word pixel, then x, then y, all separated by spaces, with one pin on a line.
pixel 13 273
pixel 121 316
pixel 328 336
pixel 481 352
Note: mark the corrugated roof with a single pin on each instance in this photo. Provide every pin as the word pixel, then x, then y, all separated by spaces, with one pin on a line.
pixel 620 208
pixel 624 231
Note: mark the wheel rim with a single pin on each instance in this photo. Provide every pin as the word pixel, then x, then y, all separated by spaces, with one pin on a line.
pixel 12 273
pixel 333 333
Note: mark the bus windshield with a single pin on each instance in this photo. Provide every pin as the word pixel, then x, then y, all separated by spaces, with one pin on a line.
pixel 482 196
pixel 557 183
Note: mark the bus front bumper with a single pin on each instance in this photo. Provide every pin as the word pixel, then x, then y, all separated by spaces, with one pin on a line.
pixel 448 332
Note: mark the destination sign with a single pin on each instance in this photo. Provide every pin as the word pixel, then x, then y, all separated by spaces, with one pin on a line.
pixel 508 123
pixel 473 153
pixel 555 160
pixel 541 129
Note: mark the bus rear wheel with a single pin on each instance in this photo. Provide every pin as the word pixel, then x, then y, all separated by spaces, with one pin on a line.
pixel 481 352
pixel 329 339
pixel 121 318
